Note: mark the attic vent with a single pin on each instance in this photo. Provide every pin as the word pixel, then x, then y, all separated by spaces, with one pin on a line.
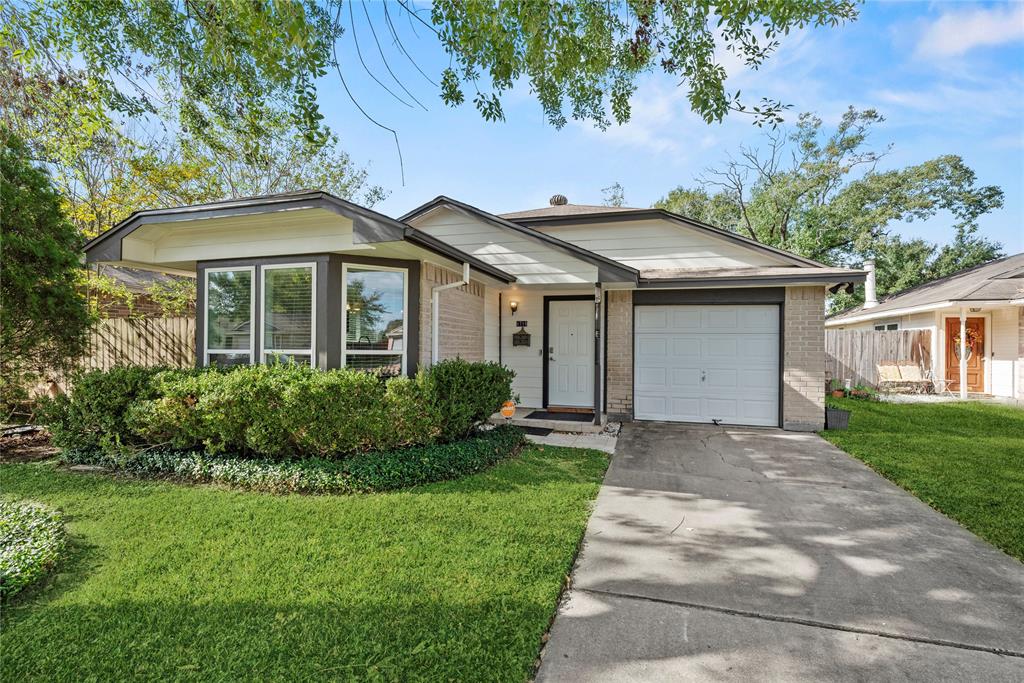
pixel 558 200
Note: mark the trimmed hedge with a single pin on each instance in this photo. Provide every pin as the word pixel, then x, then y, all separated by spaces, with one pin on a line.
pixel 364 473
pixel 279 411
pixel 32 539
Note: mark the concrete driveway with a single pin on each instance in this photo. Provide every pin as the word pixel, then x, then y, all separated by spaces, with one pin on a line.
pixel 732 553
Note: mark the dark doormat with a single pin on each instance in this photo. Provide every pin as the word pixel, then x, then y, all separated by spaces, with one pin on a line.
pixel 561 417
pixel 537 431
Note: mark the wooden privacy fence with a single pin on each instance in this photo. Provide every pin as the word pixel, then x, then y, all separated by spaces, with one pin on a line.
pixel 853 354
pixel 142 341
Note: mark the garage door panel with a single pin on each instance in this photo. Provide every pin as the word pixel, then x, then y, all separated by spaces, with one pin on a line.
pixel 652 318
pixel 705 363
pixel 720 319
pixel 650 346
pixel 722 347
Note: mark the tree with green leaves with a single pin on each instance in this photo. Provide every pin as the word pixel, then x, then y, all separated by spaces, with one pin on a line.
pixel 821 194
pixel 226 61
pixel 44 318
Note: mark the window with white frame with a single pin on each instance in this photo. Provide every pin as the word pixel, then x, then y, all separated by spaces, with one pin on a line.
pixel 288 306
pixel 886 327
pixel 228 314
pixel 375 318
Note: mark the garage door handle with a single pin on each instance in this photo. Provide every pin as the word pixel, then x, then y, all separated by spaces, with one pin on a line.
pixel 703 375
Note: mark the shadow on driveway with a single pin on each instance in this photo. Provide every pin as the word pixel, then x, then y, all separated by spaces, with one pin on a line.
pixel 732 552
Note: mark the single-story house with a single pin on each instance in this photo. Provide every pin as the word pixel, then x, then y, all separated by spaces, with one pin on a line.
pixel 630 313
pixel 979 311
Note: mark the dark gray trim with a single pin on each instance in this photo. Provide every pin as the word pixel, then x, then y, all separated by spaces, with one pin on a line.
pixel 546 337
pixel 609 270
pixel 668 297
pixel 328 302
pixel 644 214
pixel 368 226
pixel 604 380
pixel 499 326
pixel 799 276
pixel 723 297
pixel 597 354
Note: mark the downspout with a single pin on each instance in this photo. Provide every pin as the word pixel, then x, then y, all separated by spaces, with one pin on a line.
pixel 435 311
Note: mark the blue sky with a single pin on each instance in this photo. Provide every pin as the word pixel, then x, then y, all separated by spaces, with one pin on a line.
pixel 948 77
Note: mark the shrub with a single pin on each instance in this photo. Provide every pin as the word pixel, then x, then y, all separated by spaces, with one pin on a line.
pixel 95 415
pixel 466 394
pixel 363 473
pixel 276 411
pixel 31 541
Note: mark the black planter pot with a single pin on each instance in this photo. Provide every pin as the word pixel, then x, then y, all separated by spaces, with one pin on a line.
pixel 836 418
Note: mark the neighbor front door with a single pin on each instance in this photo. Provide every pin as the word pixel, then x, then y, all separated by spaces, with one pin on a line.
pixel 975 354
pixel 571 354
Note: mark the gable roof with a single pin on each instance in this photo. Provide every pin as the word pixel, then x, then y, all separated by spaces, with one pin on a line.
pixel 368 225
pixel 998 280
pixel 563 210
pixel 607 214
pixel 608 268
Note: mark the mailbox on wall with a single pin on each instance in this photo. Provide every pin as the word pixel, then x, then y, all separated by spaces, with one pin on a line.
pixel 521 338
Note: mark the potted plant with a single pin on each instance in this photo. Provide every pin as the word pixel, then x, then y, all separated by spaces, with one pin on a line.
pixel 862 392
pixel 836 388
pixel 836 418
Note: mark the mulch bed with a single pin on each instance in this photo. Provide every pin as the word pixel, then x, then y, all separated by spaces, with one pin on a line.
pixel 29 445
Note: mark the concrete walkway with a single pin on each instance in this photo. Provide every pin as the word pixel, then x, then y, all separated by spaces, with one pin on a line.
pixel 749 554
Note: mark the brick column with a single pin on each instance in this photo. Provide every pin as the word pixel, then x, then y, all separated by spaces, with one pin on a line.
pixel 803 372
pixel 619 330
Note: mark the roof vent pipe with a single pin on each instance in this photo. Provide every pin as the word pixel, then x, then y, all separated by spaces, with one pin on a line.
pixel 870 294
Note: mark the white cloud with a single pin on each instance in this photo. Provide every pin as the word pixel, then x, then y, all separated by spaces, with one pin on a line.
pixel 956 33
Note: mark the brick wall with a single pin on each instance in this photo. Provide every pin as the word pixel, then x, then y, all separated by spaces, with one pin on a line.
pixel 461 316
pixel 803 373
pixel 619 330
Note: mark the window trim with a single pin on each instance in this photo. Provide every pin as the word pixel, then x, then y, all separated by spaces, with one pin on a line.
pixel 207 351
pixel 884 326
pixel 311 350
pixel 345 267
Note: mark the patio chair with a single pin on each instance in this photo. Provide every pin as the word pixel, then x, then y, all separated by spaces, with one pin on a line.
pixel 888 376
pixel 914 379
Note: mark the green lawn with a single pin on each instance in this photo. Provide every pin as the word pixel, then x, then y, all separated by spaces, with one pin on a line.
pixel 451 581
pixel 964 459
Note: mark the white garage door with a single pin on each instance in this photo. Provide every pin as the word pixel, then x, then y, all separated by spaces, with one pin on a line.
pixel 707 363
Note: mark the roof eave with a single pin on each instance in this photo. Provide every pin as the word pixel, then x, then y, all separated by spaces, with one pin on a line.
pixel 608 269
pixel 800 277
pixel 641 214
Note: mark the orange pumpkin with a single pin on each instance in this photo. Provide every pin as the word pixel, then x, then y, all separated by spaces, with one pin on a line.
pixel 508 409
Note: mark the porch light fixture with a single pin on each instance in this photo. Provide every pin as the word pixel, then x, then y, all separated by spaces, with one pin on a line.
pixel 514 305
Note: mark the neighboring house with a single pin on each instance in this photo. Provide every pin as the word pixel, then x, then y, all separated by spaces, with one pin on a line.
pixel 637 313
pixel 986 301
pixel 138 285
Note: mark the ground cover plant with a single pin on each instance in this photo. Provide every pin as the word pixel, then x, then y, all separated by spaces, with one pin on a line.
pixel 450 581
pixel 964 459
pixel 31 543
pixel 361 473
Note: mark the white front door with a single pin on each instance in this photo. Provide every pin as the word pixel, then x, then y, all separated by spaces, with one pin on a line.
pixel 571 353
pixel 707 364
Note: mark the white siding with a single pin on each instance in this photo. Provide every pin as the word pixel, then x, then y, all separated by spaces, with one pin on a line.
pixel 653 244
pixel 530 260
pixel 1004 349
pixel 491 313
pixel 527 362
